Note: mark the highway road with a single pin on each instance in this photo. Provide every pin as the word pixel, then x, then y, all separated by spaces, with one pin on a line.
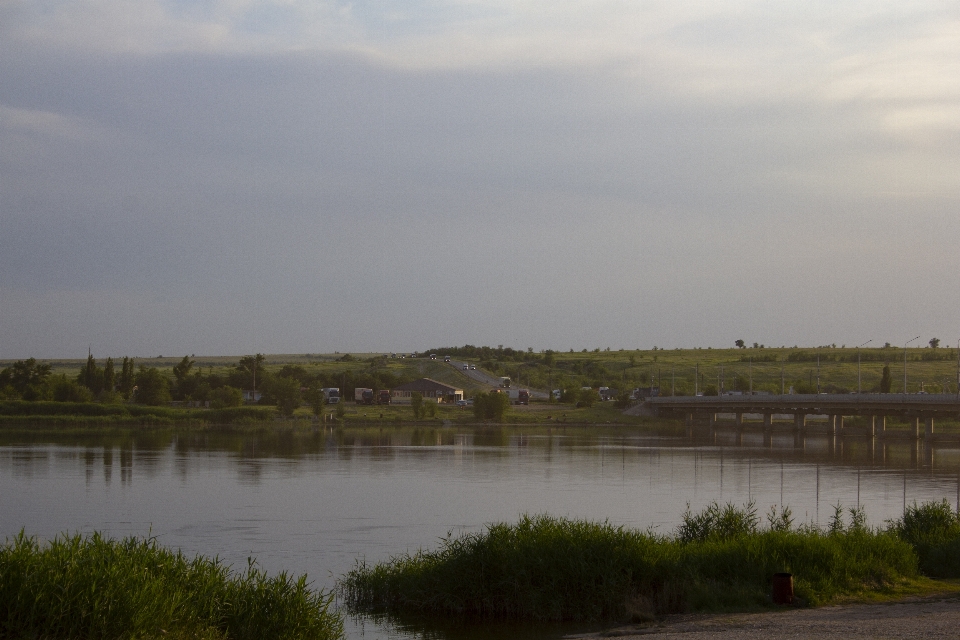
pixel 492 381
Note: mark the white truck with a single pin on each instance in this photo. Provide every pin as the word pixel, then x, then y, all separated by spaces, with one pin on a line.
pixel 331 394
pixel 363 395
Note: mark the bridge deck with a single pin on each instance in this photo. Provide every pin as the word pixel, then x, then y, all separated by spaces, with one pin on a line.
pixel 913 404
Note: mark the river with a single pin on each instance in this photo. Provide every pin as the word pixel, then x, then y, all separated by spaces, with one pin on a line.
pixel 316 501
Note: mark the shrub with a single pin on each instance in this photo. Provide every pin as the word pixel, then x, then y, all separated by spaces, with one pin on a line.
pixel 93 587
pixel 933 529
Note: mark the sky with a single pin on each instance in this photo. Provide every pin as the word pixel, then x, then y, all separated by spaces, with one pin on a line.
pixel 301 176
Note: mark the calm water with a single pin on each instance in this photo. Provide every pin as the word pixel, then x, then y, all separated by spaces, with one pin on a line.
pixel 316 502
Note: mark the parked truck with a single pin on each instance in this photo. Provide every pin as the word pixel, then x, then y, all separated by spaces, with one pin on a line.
pixel 523 396
pixel 383 397
pixel 362 395
pixel 505 382
pixel 331 394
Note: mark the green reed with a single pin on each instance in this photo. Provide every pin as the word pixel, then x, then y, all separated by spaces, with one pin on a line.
pixel 546 568
pixel 93 587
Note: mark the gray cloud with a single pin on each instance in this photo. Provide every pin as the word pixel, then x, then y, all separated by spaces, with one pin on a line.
pixel 198 202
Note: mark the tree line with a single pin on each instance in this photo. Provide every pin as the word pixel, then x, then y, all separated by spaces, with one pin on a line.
pixel 111 381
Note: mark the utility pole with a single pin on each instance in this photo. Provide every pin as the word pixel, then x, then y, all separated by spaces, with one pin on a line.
pixel 751 375
pixel 858 365
pixel 905 362
pixel 696 374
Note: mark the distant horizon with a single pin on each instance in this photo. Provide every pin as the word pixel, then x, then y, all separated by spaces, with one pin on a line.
pixel 328 354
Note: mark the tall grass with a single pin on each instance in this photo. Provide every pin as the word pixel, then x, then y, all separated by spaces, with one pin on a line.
pixel 933 529
pixel 546 568
pixel 94 587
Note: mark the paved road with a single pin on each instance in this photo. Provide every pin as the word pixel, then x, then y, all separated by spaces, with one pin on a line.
pixel 492 381
pixel 932 617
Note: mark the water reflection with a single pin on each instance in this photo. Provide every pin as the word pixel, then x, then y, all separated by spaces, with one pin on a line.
pixel 316 500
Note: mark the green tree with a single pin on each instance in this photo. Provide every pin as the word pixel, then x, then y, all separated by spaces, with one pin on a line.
pixel 316 399
pixel 490 406
pixel 127 377
pixel 27 378
pixel 934 343
pixel 588 397
pixel 91 376
pixel 740 344
pixel 109 376
pixel 225 396
pixel 63 389
pixel 182 370
pixel 152 387
pixel 286 391
pixel 416 403
pixel 249 371
pixel 886 382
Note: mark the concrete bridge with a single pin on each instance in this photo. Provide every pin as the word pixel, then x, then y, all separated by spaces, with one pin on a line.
pixel 877 407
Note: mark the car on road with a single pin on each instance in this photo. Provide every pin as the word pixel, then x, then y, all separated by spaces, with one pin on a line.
pixel 473 366
pixel 465 367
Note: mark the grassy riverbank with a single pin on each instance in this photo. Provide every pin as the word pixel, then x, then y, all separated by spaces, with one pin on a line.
pixel 92 587
pixel 545 568
pixel 19 413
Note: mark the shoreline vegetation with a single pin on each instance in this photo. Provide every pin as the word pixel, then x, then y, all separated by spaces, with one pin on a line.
pixel 722 559
pixel 541 569
pixel 289 388
pixel 94 587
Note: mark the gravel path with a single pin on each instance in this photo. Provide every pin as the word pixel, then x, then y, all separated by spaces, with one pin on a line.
pixel 932 617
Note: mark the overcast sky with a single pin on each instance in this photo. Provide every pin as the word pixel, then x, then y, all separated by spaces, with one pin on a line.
pixel 291 176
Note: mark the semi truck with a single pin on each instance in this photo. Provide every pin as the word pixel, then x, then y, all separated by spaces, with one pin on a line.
pixel 383 397
pixel 505 382
pixel 331 394
pixel 523 396
pixel 362 395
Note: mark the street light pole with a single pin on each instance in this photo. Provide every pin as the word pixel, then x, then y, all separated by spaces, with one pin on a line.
pixel 858 365
pixel 818 372
pixel 905 362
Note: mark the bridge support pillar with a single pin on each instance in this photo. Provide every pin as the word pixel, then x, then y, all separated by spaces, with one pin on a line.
pixel 834 424
pixel 872 426
pixel 916 427
pixel 800 422
pixel 688 419
pixel 880 425
pixel 928 431
pixel 739 419
pixel 713 421
pixel 767 421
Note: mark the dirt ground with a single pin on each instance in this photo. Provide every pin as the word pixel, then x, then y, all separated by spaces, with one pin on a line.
pixel 928 617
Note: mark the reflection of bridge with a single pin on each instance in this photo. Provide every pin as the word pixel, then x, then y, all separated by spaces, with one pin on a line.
pixel 876 407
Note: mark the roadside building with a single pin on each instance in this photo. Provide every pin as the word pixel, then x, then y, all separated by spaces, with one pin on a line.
pixel 429 389
pixel 251 396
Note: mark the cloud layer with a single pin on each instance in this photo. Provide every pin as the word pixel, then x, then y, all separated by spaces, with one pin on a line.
pixel 232 177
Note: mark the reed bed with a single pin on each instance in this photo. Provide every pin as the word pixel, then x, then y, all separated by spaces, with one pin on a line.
pixel 553 569
pixel 92 587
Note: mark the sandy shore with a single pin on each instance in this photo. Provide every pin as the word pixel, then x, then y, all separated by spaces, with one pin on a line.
pixel 929 617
